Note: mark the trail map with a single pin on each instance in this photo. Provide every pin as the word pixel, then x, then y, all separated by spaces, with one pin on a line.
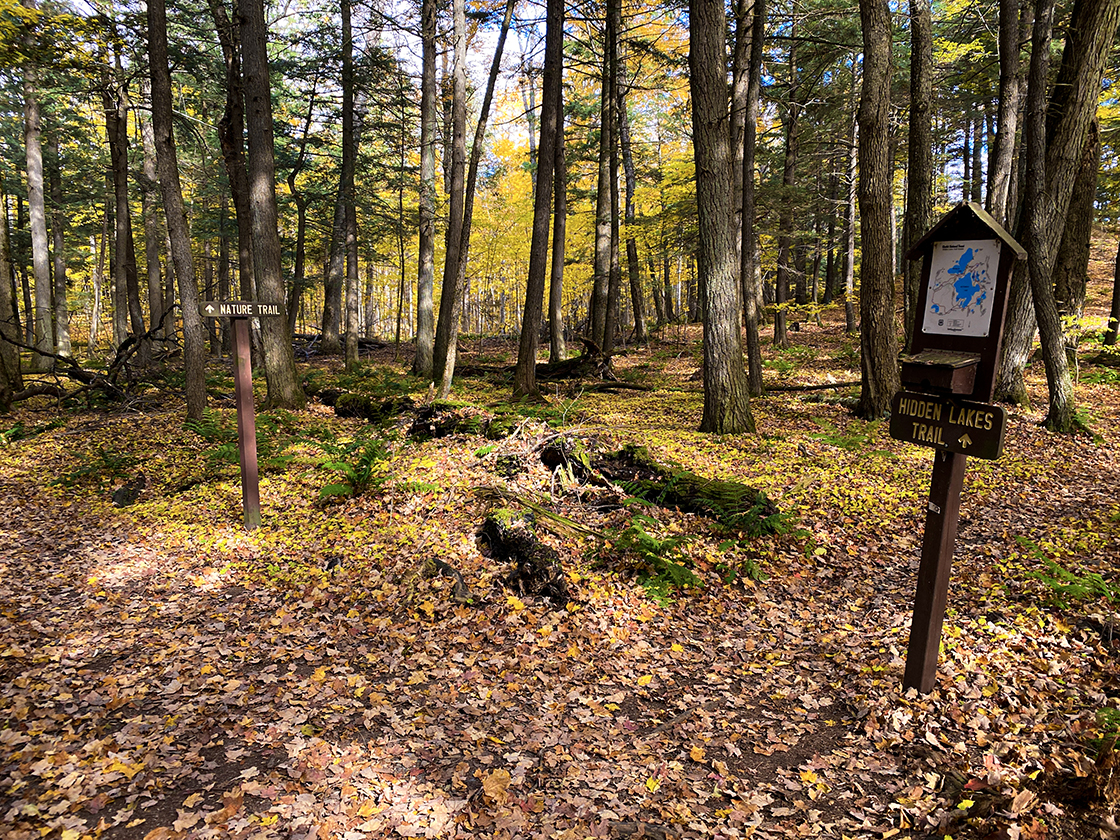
pixel 962 282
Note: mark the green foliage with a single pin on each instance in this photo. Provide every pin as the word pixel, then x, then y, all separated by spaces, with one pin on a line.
pixel 758 520
pixel 859 438
pixel 1068 587
pixel 741 563
pixel 100 470
pixel 661 564
pixel 20 431
pixel 360 463
pixel 1100 376
pixel 276 431
pixel 1107 731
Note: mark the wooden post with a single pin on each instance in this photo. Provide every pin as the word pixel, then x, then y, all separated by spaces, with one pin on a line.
pixel 246 424
pixel 942 516
pixel 958 328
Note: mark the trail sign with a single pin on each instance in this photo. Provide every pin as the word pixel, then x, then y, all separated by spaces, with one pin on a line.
pixel 945 422
pixel 967 259
pixel 239 311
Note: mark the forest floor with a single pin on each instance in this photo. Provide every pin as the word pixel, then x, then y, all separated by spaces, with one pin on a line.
pixel 166 674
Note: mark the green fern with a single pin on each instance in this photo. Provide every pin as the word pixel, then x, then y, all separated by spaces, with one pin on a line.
pixel 662 566
pixel 1066 586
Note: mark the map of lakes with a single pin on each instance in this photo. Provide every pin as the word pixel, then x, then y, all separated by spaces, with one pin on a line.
pixel 962 280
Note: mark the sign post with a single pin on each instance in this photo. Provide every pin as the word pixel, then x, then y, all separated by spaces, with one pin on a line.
pixel 239 313
pixel 954 354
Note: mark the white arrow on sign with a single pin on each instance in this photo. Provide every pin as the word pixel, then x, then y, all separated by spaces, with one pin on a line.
pixel 209 309
pixel 965 441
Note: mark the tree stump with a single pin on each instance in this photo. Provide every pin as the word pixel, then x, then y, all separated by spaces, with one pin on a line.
pixel 508 537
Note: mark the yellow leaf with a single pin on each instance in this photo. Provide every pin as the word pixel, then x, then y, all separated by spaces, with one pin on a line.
pixel 696 753
pixel 645 679
pixel 965 804
pixel 515 603
pixel 808 776
pixel 129 770
pixel 192 800
pixel 367 809
pixel 653 784
pixel 676 648
pixel 71 834
pixel 429 608
pixel 496 785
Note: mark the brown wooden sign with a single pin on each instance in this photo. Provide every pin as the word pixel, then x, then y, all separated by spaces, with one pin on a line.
pixel 958 326
pixel 943 422
pixel 237 309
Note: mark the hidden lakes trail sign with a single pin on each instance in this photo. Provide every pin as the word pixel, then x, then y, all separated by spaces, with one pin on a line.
pixel 974 429
pixel 948 379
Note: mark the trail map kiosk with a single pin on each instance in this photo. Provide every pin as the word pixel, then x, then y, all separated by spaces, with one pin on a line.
pixel 948 379
pixel 239 312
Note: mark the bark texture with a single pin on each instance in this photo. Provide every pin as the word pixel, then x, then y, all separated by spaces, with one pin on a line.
pixel 726 398
pixel 167 164
pixel 878 337
pixel 279 361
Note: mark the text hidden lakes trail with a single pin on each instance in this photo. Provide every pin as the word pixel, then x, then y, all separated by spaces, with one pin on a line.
pixel 945 422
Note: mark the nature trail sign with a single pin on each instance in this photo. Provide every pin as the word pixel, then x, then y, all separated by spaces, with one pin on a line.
pixel 954 354
pixel 240 311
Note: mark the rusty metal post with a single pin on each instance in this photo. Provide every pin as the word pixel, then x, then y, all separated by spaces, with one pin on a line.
pixel 246 424
pixel 942 517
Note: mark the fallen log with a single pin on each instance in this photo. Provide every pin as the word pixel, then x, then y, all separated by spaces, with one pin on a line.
pixel 592 363
pixel 733 504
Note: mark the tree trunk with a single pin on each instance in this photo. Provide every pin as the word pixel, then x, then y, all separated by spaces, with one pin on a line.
pixel 633 267
pixel 849 260
pixel 152 233
pixel 347 196
pixel 10 377
pixel 97 275
pixel 600 295
pixel 445 361
pixel 279 361
pixel 786 213
pixel 878 339
pixel 231 133
pixel 726 400
pixel 167 164
pixel 422 364
pixel 558 349
pixel 749 273
pixel 61 309
pixel 1071 269
pixel 36 204
pixel 299 269
pixel 977 185
pixel 451 301
pixel 1113 327
pixel 919 174
pixel 614 285
pixel 125 279
pixel 1054 155
pixel 524 377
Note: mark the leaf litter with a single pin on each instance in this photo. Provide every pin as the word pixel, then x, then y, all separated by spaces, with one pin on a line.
pixel 167 675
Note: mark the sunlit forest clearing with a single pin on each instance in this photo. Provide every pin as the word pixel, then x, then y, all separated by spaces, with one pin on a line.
pixel 574 334
pixel 168 674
